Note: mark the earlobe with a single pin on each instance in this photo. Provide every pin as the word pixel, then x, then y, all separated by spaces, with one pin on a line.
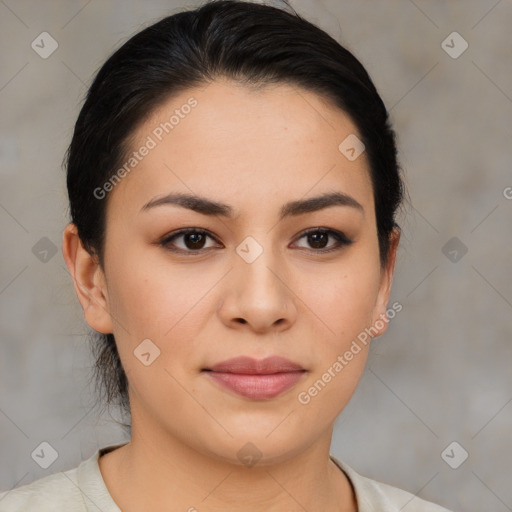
pixel 380 320
pixel 88 279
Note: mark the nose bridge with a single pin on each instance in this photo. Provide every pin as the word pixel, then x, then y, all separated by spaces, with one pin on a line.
pixel 257 266
pixel 256 292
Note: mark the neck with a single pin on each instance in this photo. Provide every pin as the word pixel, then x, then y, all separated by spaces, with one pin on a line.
pixel 158 472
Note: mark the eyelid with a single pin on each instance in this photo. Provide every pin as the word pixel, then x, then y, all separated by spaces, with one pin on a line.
pixel 330 231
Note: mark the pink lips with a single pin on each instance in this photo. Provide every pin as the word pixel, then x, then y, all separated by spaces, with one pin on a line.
pixel 256 379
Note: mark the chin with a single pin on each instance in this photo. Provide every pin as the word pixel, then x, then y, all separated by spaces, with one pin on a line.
pixel 257 445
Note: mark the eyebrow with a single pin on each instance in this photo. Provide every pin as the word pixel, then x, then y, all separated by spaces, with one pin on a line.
pixel 207 206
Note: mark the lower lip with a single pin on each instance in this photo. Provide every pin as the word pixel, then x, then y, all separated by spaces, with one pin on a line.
pixel 257 387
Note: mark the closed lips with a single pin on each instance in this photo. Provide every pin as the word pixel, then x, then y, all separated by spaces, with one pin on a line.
pixel 250 366
pixel 256 379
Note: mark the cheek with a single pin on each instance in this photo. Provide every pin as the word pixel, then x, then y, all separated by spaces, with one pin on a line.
pixel 340 299
pixel 152 301
pixel 150 296
pixel 340 349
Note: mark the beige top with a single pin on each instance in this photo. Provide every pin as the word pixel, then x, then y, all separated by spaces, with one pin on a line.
pixel 83 489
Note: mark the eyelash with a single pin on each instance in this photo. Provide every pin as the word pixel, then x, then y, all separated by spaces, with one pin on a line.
pixel 341 239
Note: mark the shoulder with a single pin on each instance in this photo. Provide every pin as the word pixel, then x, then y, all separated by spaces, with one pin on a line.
pixel 81 489
pixel 373 496
pixel 54 492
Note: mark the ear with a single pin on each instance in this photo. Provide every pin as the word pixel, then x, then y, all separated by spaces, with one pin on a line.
pixel 89 280
pixel 380 319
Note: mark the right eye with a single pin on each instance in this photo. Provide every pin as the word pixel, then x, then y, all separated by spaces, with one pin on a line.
pixel 193 240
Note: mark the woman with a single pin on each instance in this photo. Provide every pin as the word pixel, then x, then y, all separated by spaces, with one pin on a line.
pixel 233 186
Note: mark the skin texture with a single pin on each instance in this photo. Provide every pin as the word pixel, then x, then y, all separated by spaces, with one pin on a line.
pixel 254 150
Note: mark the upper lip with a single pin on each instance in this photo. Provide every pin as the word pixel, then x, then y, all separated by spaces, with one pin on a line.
pixel 250 366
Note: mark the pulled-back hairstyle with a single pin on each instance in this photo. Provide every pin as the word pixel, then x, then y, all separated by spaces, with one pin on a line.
pixel 249 43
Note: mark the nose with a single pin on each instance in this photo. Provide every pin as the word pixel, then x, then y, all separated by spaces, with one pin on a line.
pixel 258 296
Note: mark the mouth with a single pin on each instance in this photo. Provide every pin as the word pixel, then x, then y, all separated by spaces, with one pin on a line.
pixel 256 379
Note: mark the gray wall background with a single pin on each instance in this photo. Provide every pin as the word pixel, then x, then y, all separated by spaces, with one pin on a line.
pixel 441 373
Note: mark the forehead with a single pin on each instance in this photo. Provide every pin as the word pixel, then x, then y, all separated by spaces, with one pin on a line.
pixel 244 145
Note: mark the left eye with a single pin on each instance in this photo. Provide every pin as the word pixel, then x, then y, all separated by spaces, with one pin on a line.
pixel 194 240
pixel 318 239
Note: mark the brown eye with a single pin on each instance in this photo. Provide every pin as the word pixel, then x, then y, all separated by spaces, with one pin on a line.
pixel 318 239
pixel 193 240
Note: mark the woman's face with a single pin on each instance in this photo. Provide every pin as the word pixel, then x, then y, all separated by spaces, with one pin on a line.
pixel 252 282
